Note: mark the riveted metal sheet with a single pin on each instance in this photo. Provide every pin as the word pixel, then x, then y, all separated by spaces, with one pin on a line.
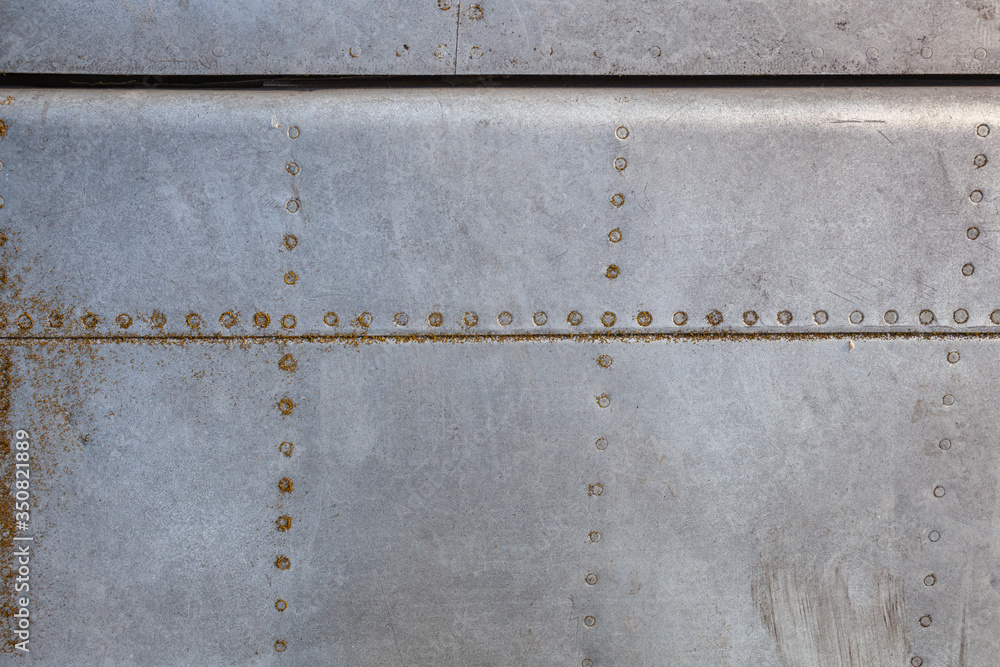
pixel 471 504
pixel 718 37
pixel 499 211
pixel 197 37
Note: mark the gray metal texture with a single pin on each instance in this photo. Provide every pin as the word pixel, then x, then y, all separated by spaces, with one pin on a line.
pixel 499 211
pixel 500 37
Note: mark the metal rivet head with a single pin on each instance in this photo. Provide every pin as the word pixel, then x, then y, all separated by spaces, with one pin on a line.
pixel 293 132
pixel 603 400
pixel 261 320
pixel 591 579
pixel 622 132
pixel 288 321
pixel 227 319
pixel 926 317
pixel 286 406
pixel 939 492
pixel 750 318
pixel 982 130
pixel 972 233
pixel 470 319
pixel 891 317
pixel 612 272
pixel 820 317
pixel 575 318
pixel 925 621
pixel 617 199
pixel 917 661
pixel 995 317
pixel 817 52
pixel 930 580
pixel 89 320
pixel 284 523
pixel 980 161
pixel 285 485
pixel 945 444
pixel 714 318
pixel 615 235
pixel 601 443
pixel 976 196
pixel 292 205
pixel 291 278
pixel 282 563
pixel 280 646
pixel 680 318
pixel 784 317
pixel 948 399
pixel 655 51
pixel 644 318
pixel 926 53
pixel 281 605
pixel 608 319
pixel 587 662
pixel 400 319
pixel 292 168
pixel 605 361
pixel 979 54
pixel 968 269
pixel 193 320
pixel 124 321
pixel 288 363
pixel 595 489
pixel 286 448
pixel 589 621
pixel 953 357
pixel 595 536
pixel 934 536
pixel 621 163
pixel 435 319
pixel 856 317
pixel 218 52
pixel 355 51
pixel 505 318
pixel 872 53
pixel 961 316
pixel 365 319
pixel 540 318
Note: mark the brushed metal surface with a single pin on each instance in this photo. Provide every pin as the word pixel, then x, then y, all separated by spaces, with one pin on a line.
pixel 437 211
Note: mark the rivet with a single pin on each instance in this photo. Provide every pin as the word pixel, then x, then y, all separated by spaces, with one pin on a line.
pixel 283 522
pixel 980 54
pixel 961 316
pixel 589 621
pixel 293 132
pixel 872 53
pixel 891 317
pixel 655 51
pixel 282 563
pixel 292 205
pixel 680 318
pixel 980 161
pixel 972 233
pixel 926 52
pixel 976 196
pixel 615 235
pixel 608 319
pixel 400 319
pixel 817 52
pixel 218 51
pixel 601 443
pixel 598 52
pixel 279 645
pixel 644 318
pixel 193 320
pixel 285 406
pixel 291 278
pixel 591 579
pixel 89 320
pixel 934 536
pixel 173 50
pixel 925 621
pixel 750 318
pixel 917 661
pixel 285 485
pixel 617 199
pixel 612 272
pixel 603 400
pixel 575 318
pixel 281 605
pixel 286 448
pixel 471 319
pixel 365 319
pixel 595 489
pixel 995 317
pixel 55 320
pixel 820 317
pixel 982 130
pixel 948 399
pixel 926 317
pixel 288 321
pixel 1 165
pixel 930 580
pixel 622 132
pixel 355 51
pixel 540 318
pixel 856 317
pixel 945 444
pixel 605 361
pixel 505 318
pixel 288 363
pixel 123 320
pixel 444 4
pixel 402 50
pixel 968 269
pixel 784 317
pixel 620 163
pixel 292 168
pixel 261 320
pixel 331 319
pixel 595 537
pixel 714 318
pixel 227 319
pixel 939 491
pixel 435 319
pixel 953 357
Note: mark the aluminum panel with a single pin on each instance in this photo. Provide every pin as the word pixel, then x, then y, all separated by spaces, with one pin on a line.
pixel 472 504
pixel 499 211
pixel 719 37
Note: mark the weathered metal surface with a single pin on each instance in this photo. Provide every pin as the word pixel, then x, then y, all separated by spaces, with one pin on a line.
pixel 755 502
pixel 229 38
pixel 429 211
pixel 500 37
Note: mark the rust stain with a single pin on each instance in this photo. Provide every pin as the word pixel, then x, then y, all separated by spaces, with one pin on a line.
pixel 3 128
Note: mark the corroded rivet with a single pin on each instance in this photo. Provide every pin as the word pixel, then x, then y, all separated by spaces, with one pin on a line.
pixel 620 163
pixel 193 320
pixel 365 319
pixel 926 317
pixel 622 132
pixel 227 319
pixel 939 491
pixel 284 522
pixel 617 199
pixel 285 485
pixel 644 318
pixel 123 320
pixel 603 400
pixel 282 563
pixel 591 579
pixel 540 318
pixel 655 51
pixel 891 317
pixel 291 241
pixel 55 319
pixel 976 196
pixel 750 318
pixel 968 269
pixel 605 361
pixel 281 605
pixel 917 661
pixel 293 132
pixel 505 318
pixel 979 54
pixel 872 53
pixel 288 321
pixel 400 319
pixel 980 161
pixel 291 278
pixel 261 320
pixel 589 621
pixel 601 443
pixel 982 130
pixel 953 357
pixel 444 4
pixel 292 205
pixel 595 489
pixel 595 536
pixel 288 363
pixel 292 168
pixel 972 233
pixel 608 319
pixel 784 317
pixel 286 448
pixel 945 444
pixel 471 319
pixel 285 406
pixel 948 399
pixel 856 317
pixel 820 317
pixel 435 319
pixel 612 272
pixel 89 320
pixel 714 318
pixel 615 235
pixel 680 318
pixel 934 536
pixel 575 318
pixel 930 580
pixel 961 316
pixel 925 621
pixel 279 645
pixel 331 319
pixel 355 51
